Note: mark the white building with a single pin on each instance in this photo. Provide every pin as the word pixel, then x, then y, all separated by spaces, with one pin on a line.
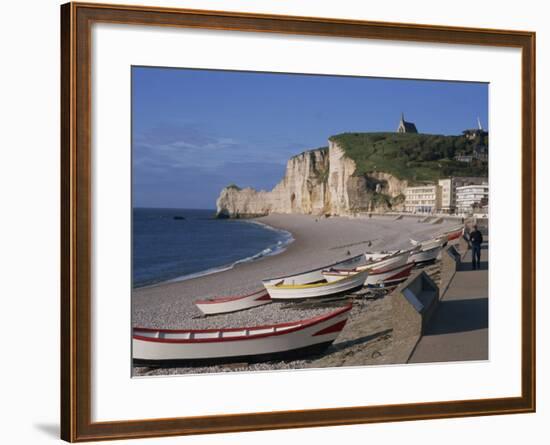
pixel 470 196
pixel 423 199
pixel 449 187
pixel 447 195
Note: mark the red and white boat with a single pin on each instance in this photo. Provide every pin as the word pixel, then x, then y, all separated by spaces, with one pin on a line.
pixel 375 277
pixel 222 305
pixel 454 234
pixel 158 347
pixel 386 277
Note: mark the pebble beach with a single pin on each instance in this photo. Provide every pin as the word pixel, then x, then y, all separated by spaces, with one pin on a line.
pixel 318 241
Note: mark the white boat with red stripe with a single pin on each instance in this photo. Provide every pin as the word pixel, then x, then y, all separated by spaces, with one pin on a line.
pixel 167 347
pixel 386 277
pixel 454 234
pixel 223 305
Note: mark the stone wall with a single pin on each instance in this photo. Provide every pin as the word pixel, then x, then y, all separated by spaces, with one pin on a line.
pixel 450 259
pixel 413 304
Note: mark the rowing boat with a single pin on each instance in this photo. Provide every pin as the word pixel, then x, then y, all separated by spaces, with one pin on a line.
pixel 425 255
pixel 375 276
pixel 455 233
pixel 167 347
pixel 387 277
pixel 314 275
pixel 352 281
pixel 439 241
pixel 386 260
pixel 222 305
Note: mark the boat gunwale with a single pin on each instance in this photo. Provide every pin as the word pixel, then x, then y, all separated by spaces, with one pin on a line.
pixel 403 266
pixel 229 298
pixel 284 277
pixel 427 250
pixel 371 272
pixel 298 325
pixel 315 285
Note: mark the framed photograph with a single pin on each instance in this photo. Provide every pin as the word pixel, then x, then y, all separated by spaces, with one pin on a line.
pixel 278 222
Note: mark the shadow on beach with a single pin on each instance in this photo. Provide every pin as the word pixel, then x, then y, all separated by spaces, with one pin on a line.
pixel 337 347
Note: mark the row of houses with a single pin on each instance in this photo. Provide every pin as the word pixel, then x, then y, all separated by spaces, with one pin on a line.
pixel 450 195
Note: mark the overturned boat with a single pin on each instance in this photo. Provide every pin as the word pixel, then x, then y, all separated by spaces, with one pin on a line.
pixel 168 347
pixel 223 305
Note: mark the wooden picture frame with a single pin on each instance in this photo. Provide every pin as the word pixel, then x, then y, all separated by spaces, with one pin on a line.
pixel 76 221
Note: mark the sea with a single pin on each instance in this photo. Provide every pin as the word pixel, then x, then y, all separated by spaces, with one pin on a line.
pixel 180 244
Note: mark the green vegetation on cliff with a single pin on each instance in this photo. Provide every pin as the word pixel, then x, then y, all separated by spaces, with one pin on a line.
pixel 415 157
pixel 233 186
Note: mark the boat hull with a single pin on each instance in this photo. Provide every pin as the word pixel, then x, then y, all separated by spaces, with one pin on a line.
pixel 387 264
pixel 430 243
pixel 293 354
pixel 393 276
pixel 379 267
pixel 233 304
pixel 425 256
pixel 315 275
pixel 348 283
pixel 197 348
pixel 452 236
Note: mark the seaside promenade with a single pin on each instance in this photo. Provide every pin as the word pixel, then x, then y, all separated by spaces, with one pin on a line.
pixel 458 330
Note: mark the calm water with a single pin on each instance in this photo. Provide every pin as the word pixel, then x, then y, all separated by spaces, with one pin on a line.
pixel 166 249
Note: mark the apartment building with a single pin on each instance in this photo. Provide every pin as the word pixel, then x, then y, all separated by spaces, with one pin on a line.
pixel 425 199
pixel 470 196
pixel 448 191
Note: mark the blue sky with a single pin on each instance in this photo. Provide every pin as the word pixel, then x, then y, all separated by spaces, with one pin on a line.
pixel 196 131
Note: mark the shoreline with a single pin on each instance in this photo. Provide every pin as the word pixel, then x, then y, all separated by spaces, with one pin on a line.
pixel 270 250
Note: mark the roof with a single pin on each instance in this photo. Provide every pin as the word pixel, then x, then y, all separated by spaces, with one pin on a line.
pixel 410 127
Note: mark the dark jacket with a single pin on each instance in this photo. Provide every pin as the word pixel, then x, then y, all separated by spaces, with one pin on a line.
pixel 476 238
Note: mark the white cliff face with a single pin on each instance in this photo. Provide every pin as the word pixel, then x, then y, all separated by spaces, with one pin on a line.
pixel 392 185
pixel 316 182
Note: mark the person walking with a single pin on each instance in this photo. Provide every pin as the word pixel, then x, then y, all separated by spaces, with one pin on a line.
pixel 476 239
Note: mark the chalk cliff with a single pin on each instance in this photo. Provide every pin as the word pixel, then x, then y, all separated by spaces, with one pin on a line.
pixel 316 182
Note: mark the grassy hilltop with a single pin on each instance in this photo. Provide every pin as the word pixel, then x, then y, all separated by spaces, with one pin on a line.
pixel 415 157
